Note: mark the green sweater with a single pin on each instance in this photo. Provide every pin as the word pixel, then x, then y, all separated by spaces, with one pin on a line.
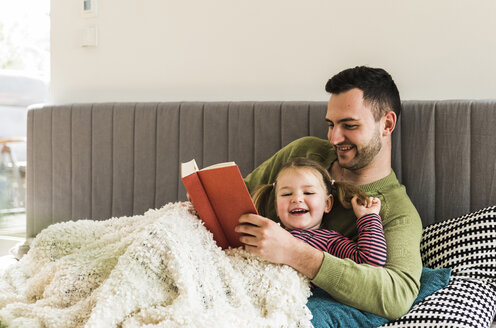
pixel 388 291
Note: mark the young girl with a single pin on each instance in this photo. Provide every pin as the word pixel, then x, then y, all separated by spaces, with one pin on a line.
pixel 304 191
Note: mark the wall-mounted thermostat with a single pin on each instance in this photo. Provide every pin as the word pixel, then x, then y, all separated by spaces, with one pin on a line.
pixel 89 8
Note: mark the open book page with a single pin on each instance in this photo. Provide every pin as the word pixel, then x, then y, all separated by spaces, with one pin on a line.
pixel 219 165
pixel 190 167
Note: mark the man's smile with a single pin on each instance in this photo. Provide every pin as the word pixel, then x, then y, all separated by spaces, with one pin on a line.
pixel 344 148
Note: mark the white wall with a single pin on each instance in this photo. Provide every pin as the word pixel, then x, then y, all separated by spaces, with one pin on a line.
pixel 166 50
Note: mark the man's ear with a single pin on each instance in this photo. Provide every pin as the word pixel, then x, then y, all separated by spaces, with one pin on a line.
pixel 389 123
pixel 329 202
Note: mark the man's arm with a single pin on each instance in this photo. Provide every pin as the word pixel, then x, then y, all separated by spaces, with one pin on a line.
pixel 388 291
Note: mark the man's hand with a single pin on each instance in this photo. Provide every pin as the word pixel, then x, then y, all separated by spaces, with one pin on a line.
pixel 265 238
pixel 270 241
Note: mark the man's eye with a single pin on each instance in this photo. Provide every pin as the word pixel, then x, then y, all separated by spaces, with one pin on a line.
pixel 351 126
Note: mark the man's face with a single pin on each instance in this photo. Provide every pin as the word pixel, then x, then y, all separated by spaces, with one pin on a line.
pixel 353 131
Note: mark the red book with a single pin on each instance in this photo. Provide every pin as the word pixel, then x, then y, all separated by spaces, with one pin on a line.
pixel 220 197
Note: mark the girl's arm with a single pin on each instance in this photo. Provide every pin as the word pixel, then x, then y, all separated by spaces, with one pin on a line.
pixel 371 244
pixel 370 247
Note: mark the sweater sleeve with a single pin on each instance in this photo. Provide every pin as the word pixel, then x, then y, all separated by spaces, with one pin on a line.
pixel 387 291
pixel 369 249
pixel 371 245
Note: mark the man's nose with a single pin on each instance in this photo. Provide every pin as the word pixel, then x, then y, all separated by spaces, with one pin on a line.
pixel 335 136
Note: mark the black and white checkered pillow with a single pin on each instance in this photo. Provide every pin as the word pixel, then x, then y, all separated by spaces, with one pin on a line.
pixel 463 303
pixel 466 244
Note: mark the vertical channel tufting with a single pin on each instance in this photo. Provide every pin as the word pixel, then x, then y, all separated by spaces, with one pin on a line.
pixel 229 154
pixel 228 142
pixel 81 160
pixel 42 170
pixel 123 159
pixel 202 165
pixel 112 161
pixel 418 156
pixel 30 175
pixel 167 154
pixel 144 157
pixel 155 164
pixel 133 168
pixel 483 154
pixel 190 137
pixel 179 145
pixel 294 121
pixel 452 159
pixel 241 135
pixel 318 124
pixel 101 158
pixel 215 133
pixel 253 128
pixel 62 164
pixel 280 126
pixel 309 123
pixel 267 129
pixel 469 157
pixel 396 153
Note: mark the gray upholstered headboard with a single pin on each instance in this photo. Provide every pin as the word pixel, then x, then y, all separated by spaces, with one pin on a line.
pixel 113 159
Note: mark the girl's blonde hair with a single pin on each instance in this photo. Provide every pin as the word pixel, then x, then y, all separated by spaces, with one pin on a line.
pixel 343 191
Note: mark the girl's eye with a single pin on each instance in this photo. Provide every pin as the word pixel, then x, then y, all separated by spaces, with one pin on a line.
pixel 309 193
pixel 285 194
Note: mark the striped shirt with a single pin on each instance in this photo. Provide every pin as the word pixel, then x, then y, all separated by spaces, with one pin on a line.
pixel 369 249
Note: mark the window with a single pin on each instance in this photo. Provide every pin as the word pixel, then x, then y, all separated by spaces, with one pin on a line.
pixel 24 78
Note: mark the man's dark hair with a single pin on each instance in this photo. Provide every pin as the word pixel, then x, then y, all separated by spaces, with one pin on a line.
pixel 378 87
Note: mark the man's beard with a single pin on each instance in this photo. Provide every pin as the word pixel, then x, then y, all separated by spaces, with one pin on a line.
pixel 365 154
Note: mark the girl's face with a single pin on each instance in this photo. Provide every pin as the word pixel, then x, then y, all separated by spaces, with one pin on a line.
pixel 301 198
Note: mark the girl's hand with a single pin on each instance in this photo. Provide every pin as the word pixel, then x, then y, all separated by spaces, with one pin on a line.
pixel 372 206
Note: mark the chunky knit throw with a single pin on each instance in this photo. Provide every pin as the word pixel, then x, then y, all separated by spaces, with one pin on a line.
pixel 160 269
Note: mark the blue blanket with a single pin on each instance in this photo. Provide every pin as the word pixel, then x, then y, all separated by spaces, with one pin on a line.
pixel 328 312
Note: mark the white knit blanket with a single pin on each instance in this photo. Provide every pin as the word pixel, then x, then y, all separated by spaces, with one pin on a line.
pixel 161 269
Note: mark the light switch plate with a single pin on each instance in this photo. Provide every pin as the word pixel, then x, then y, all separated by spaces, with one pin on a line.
pixel 90 36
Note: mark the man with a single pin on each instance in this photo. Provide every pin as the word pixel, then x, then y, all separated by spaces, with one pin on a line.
pixel 362 113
